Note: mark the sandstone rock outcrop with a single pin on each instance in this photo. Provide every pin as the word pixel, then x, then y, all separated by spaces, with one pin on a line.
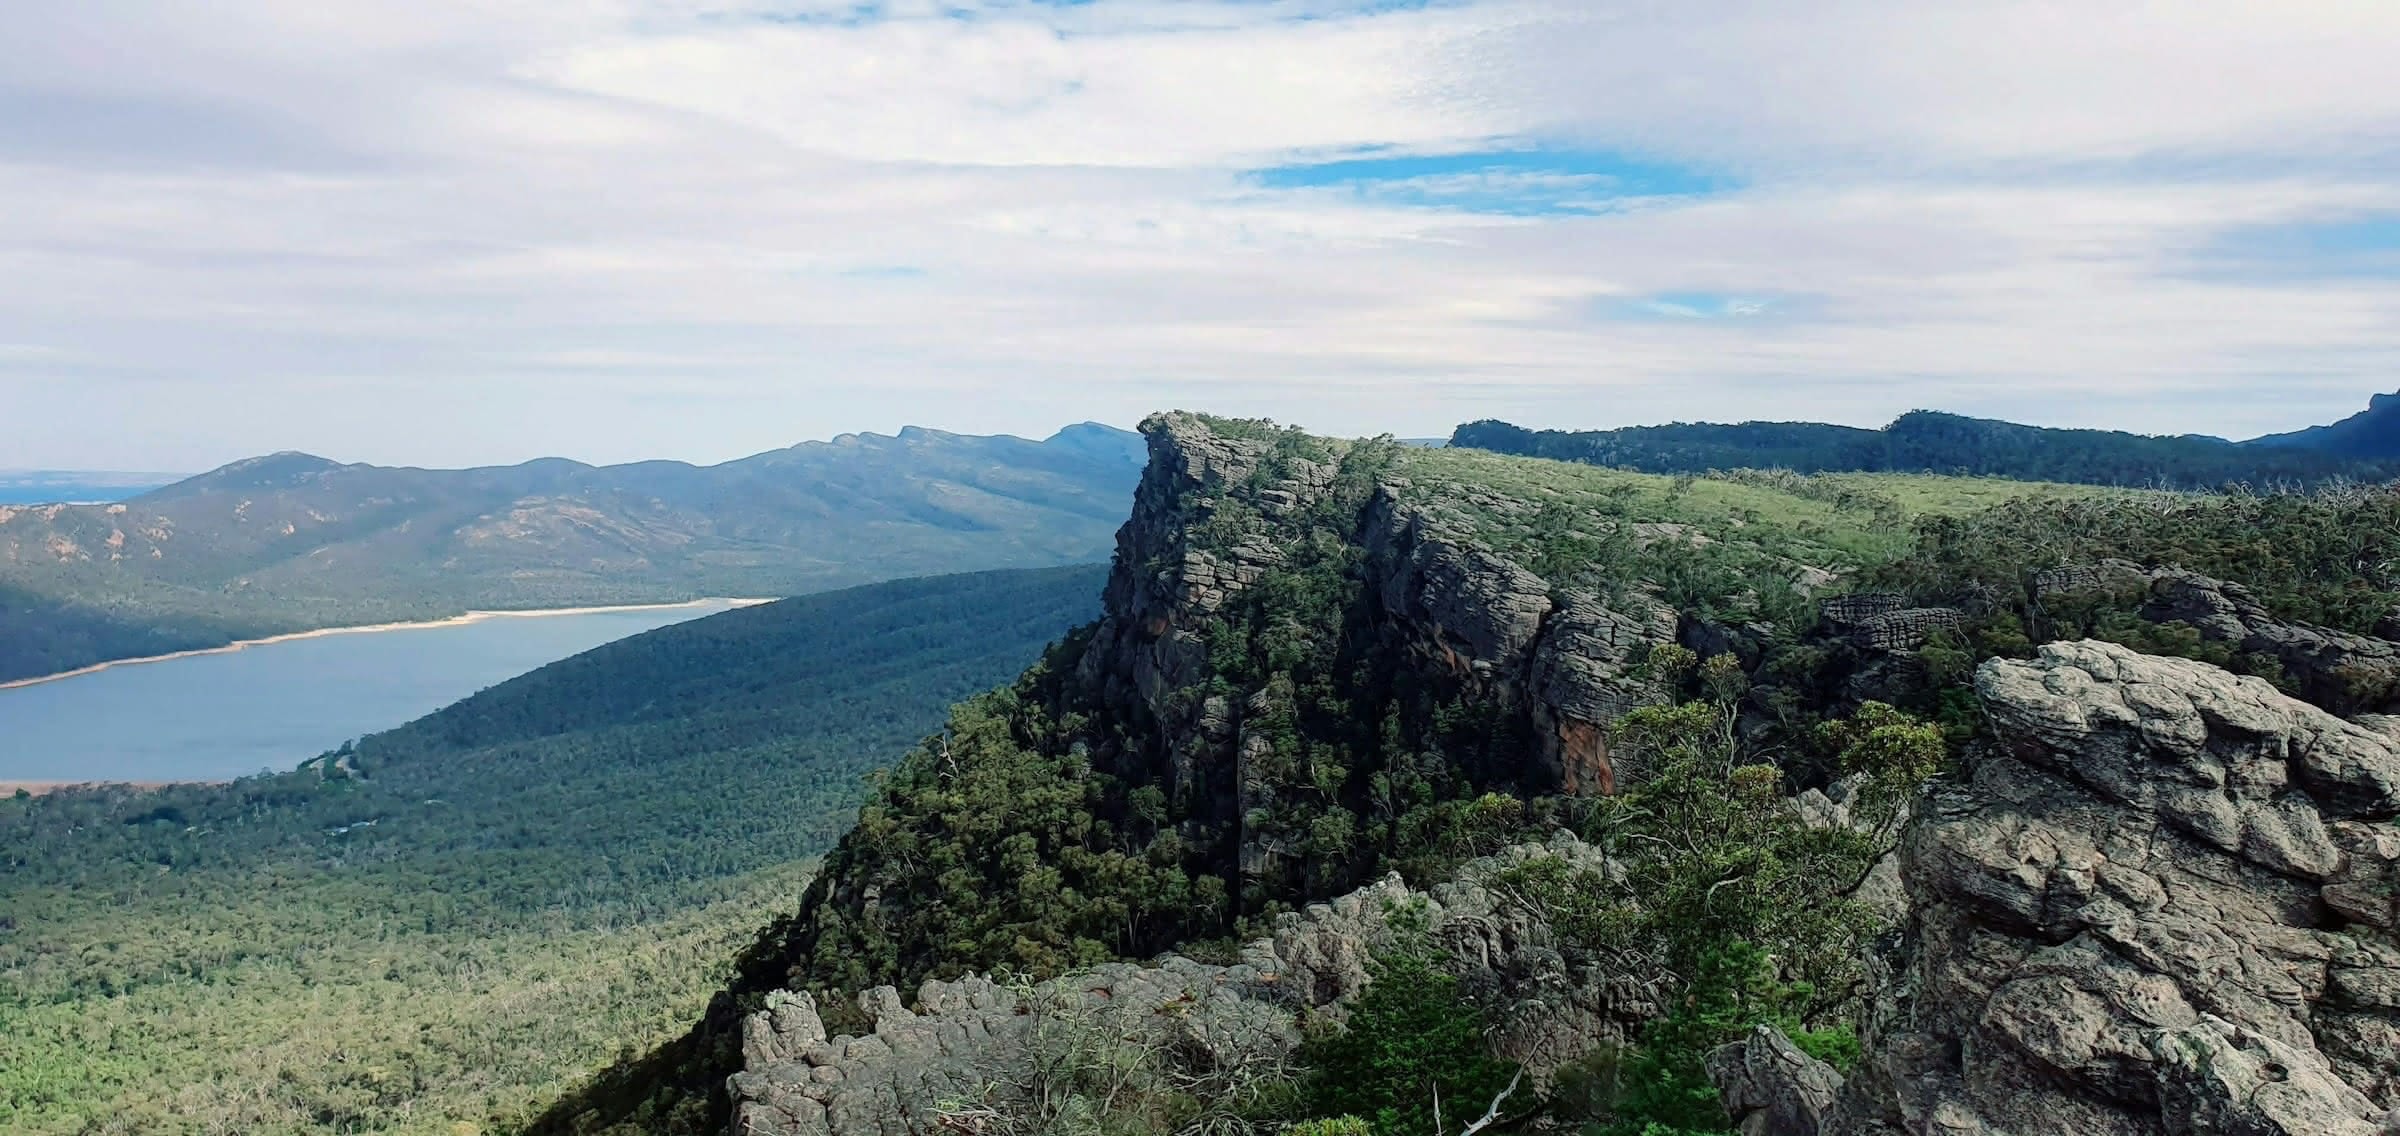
pixel 2342 671
pixel 2336 669
pixel 2130 916
pixel 1561 665
pixel 1771 1088
pixel 975 1048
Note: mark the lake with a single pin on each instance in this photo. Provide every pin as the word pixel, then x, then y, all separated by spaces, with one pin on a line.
pixel 275 705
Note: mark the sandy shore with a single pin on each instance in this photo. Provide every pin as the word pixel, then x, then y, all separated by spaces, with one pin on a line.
pixel 322 632
pixel 37 788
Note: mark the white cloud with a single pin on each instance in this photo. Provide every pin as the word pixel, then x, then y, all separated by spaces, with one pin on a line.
pixel 448 232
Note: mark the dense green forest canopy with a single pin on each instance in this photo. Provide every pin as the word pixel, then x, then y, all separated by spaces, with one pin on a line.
pixel 442 922
pixel 292 542
pixel 1925 441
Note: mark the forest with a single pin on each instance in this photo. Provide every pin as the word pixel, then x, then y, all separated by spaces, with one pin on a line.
pixel 1924 441
pixel 433 928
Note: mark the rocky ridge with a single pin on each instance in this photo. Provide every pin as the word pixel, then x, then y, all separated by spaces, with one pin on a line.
pixel 2168 887
pixel 1442 604
pixel 977 1054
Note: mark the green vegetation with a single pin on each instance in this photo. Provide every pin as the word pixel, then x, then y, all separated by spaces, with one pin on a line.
pixel 1728 545
pixel 1931 442
pixel 292 542
pixel 435 928
pixel 2331 558
pixel 1412 1042
pixel 1742 910
pixel 1051 826
pixel 1172 777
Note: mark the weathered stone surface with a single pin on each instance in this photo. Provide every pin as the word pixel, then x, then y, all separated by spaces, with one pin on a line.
pixel 1771 1088
pixel 2120 921
pixel 1906 629
pixel 1584 676
pixel 975 1044
pixel 2218 1079
pixel 2108 579
pixel 1841 613
pixel 2336 669
pixel 2365 885
pixel 1478 609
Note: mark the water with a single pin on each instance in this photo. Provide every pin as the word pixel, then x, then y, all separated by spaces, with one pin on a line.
pixel 276 705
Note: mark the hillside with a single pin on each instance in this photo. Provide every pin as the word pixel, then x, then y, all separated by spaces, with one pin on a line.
pixel 291 542
pixel 2372 434
pixel 1929 442
pixel 444 922
pixel 1321 662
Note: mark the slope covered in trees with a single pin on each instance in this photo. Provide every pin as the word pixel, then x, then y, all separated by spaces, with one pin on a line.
pixel 1924 441
pixel 292 542
pixel 443 922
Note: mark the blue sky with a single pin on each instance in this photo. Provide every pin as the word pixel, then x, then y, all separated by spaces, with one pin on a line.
pixel 1527 181
pixel 458 231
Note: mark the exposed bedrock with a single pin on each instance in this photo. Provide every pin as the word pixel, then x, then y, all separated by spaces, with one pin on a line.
pixel 2160 903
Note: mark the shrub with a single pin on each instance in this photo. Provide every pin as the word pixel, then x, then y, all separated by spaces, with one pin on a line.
pixel 1412 1039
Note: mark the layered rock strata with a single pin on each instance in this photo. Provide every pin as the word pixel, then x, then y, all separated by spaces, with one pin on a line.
pixel 2159 904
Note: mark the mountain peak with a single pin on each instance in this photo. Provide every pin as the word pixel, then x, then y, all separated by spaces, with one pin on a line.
pixel 284 469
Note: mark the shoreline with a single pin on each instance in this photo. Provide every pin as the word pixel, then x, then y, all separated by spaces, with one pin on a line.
pixel 459 620
pixel 42 788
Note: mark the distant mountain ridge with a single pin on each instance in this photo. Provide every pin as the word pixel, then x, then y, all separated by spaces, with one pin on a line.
pixel 2371 434
pixel 293 541
pixel 2364 447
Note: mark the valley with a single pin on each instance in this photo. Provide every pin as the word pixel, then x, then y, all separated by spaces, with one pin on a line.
pixel 434 929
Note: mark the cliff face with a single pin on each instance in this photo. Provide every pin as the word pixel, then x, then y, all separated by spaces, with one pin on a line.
pixel 1432 613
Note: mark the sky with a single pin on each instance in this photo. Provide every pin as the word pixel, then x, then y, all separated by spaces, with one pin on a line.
pixel 444 232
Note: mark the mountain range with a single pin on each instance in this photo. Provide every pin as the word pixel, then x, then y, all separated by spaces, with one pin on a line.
pixel 292 541
pixel 2365 446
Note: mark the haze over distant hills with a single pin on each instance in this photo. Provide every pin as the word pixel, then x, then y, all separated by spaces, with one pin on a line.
pixel 2365 446
pixel 292 541
pixel 42 486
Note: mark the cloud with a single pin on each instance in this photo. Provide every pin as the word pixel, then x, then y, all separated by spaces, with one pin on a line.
pixel 464 232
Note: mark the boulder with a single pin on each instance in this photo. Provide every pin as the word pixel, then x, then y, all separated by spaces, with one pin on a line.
pixel 1771 1088
pixel 2127 915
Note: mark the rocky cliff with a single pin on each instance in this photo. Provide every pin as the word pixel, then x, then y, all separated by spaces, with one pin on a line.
pixel 1431 606
pixel 2161 901
pixel 2155 897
